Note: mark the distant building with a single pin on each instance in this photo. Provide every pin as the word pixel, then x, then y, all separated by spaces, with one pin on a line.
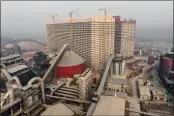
pixel 125 31
pixel 151 59
pixel 13 48
pixel 140 53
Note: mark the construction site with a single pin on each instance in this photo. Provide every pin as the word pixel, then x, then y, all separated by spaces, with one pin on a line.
pixel 84 72
pixel 95 38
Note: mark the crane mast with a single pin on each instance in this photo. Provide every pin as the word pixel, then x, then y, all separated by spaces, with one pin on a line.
pixel 105 13
pixel 70 22
pixel 53 20
pixel 53 17
pixel 105 16
pixel 104 43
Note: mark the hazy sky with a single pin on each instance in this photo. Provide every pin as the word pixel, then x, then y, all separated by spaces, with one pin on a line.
pixel 27 19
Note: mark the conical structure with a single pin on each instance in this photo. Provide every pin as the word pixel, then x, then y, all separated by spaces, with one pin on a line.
pixel 70 64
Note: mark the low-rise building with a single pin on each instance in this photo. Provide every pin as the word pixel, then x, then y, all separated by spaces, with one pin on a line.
pixel 85 81
pixel 158 95
pixel 144 93
pixel 118 85
pixel 141 82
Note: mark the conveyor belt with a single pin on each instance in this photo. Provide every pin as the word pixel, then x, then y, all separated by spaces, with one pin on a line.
pixel 100 88
pixel 67 92
pixel 66 89
pixel 53 65
pixel 65 95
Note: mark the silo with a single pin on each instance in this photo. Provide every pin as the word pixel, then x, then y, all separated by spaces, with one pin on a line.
pixel 70 65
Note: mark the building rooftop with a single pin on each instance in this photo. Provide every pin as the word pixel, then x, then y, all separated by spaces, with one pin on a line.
pixel 10 57
pixel 118 81
pixel 16 68
pixel 144 90
pixel 157 91
pixel 91 19
pixel 110 105
pixel 141 82
pixel 58 110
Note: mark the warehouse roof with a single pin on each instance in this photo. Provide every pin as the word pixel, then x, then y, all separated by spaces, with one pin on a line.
pixel 110 105
pixel 58 110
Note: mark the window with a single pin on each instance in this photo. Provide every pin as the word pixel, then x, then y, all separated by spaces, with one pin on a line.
pixel 155 98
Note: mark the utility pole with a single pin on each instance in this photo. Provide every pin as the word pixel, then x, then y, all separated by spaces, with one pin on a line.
pixel 70 21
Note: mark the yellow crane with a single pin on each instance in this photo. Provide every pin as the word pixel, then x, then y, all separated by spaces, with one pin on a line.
pixel 105 13
pixel 70 14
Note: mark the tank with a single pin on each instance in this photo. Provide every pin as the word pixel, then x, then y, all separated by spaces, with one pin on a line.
pixel 70 65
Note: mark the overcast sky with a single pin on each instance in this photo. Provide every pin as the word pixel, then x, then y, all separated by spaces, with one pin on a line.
pixel 28 19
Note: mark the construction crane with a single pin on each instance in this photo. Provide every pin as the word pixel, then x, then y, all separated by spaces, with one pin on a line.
pixel 104 44
pixel 70 14
pixel 105 13
pixel 53 16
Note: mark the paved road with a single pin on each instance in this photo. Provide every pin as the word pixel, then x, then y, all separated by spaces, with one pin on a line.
pixel 134 100
pixel 134 86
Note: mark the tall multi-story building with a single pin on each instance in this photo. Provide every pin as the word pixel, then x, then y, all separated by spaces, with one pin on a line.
pixel 94 39
pixel 124 36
